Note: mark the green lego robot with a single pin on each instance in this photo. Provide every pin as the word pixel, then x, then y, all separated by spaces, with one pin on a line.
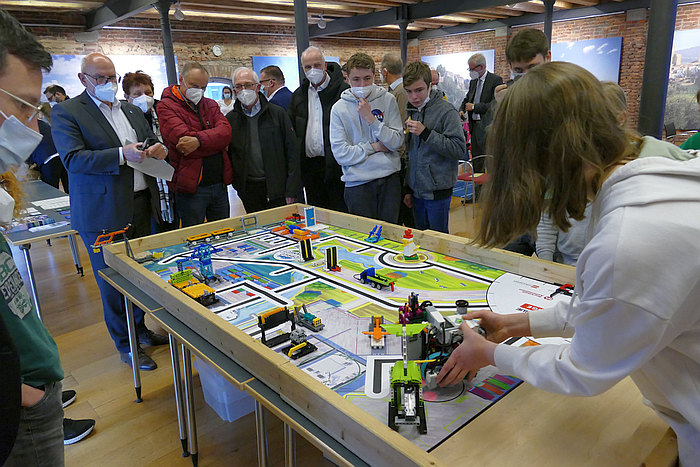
pixel 406 406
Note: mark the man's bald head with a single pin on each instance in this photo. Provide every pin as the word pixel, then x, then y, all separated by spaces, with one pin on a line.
pixel 96 69
pixel 312 54
pixel 95 62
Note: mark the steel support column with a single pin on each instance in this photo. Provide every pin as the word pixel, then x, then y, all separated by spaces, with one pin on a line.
pixel 662 23
pixel 163 7
pixel 548 15
pixel 301 22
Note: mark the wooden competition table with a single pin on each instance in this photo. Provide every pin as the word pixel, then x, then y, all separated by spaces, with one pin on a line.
pixel 38 195
pixel 526 427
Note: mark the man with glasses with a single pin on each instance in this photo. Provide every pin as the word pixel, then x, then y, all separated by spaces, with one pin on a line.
pixel 55 94
pixel 272 80
pixel 30 386
pixel 263 147
pixel 99 141
pixel 476 104
pixel 196 133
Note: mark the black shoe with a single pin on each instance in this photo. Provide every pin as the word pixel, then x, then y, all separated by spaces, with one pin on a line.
pixel 68 397
pixel 146 363
pixel 75 430
pixel 150 338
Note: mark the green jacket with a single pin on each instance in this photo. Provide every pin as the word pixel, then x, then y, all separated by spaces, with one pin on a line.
pixel 692 143
pixel 38 353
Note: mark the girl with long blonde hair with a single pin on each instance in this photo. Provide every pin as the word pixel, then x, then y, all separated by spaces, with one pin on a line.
pixel 557 145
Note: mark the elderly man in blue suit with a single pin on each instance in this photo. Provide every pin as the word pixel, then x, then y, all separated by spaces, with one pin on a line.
pixel 96 135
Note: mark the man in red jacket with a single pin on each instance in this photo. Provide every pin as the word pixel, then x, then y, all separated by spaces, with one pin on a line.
pixel 196 134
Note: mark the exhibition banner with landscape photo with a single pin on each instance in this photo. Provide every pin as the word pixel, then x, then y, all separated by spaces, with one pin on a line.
pixel 684 81
pixel 66 68
pixel 599 56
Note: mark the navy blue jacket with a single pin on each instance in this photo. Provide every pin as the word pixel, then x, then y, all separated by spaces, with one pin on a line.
pixel 101 190
pixel 282 97
pixel 46 148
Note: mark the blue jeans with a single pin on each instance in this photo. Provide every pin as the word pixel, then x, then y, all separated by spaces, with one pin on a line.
pixel 113 306
pixel 432 214
pixel 40 436
pixel 209 201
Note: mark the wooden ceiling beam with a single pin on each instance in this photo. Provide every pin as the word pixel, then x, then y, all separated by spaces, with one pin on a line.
pixel 527 7
pixel 584 2
pixel 238 7
pixel 505 11
pixel 50 5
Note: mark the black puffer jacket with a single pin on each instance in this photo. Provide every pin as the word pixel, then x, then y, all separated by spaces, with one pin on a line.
pixel 299 114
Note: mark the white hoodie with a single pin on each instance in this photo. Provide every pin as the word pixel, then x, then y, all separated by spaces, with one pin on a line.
pixel 352 137
pixel 636 309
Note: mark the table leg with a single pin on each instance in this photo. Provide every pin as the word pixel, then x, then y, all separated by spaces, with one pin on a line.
pixel 133 346
pixel 30 273
pixel 177 383
pixel 261 434
pixel 189 400
pixel 76 256
pixel 290 447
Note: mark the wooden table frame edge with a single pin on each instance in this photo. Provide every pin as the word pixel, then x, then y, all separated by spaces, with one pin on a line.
pixel 353 427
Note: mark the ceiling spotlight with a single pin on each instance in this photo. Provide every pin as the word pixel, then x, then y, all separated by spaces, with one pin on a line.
pixel 178 14
pixel 321 22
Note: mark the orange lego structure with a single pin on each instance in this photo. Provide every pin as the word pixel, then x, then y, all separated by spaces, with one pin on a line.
pixel 303 234
pixel 193 240
pixel 107 238
pixel 221 233
pixel 376 332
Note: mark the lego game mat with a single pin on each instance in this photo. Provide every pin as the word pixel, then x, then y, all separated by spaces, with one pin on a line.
pixel 260 271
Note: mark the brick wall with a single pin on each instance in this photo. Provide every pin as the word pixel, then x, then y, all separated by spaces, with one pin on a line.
pixel 633 45
pixel 144 38
pixel 280 40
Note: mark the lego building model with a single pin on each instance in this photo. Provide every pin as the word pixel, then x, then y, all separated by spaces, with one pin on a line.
pixel 410 249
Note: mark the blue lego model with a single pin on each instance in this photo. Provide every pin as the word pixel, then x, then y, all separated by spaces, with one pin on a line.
pixel 375 234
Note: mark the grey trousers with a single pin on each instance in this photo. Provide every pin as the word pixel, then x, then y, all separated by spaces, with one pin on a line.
pixel 378 199
pixel 40 436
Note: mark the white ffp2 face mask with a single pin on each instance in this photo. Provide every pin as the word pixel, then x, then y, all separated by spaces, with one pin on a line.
pixel 427 98
pixel 362 91
pixel 17 141
pixel 315 75
pixel 7 207
pixel 194 95
pixel 144 102
pixel 247 97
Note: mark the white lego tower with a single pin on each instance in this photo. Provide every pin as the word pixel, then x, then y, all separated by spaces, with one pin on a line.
pixel 409 247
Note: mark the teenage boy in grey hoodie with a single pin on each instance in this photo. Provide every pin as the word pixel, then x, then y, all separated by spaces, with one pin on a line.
pixel 435 144
pixel 366 133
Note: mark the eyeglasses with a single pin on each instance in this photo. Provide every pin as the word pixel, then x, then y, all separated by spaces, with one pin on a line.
pixel 26 108
pixel 264 81
pixel 249 86
pixel 100 80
